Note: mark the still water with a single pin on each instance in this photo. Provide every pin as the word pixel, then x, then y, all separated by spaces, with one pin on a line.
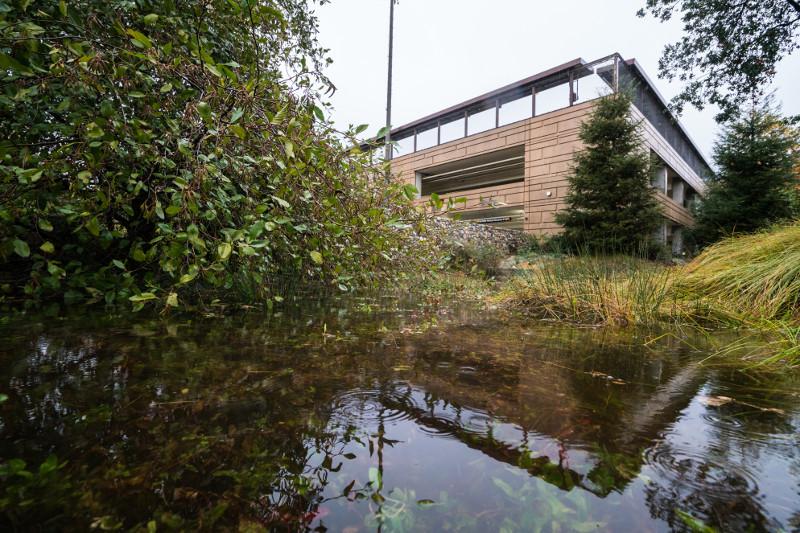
pixel 360 415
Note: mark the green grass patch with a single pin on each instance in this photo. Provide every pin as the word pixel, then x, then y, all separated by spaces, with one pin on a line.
pixel 751 283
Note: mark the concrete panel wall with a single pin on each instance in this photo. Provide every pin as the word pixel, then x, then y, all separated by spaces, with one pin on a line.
pixel 550 141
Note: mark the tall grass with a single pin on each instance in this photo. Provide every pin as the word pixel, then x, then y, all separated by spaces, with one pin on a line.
pixel 750 282
pixel 616 290
pixel 757 275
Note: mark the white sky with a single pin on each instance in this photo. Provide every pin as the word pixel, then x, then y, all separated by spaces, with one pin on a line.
pixel 447 51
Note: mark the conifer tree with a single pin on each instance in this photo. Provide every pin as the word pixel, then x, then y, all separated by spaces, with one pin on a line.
pixel 610 205
pixel 757 158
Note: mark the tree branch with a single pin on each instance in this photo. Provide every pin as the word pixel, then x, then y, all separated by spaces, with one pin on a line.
pixel 795 4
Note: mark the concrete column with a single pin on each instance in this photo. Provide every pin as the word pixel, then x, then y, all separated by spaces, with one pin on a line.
pixel 660 179
pixel 677 240
pixel 661 233
pixel 678 190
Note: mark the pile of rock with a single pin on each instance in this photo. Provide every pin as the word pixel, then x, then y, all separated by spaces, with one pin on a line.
pixel 461 232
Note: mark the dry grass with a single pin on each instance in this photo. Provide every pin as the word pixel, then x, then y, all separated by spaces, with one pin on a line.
pixel 596 290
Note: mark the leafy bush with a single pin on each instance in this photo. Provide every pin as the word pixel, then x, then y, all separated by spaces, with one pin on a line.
pixel 157 151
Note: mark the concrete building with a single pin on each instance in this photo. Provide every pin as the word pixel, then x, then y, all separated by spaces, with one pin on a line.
pixel 509 152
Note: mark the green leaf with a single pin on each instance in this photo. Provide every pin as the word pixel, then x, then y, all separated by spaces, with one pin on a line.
pixel 172 299
pixel 410 191
pixel 205 111
pixel 167 87
pixel 93 131
pixel 139 39
pixel 3 398
pixel 21 248
pixel 289 149
pixel 224 250
pixel 316 257
pixel 283 203
pixel 45 225
pixel 319 114
pixel 361 128
pixel 47 247
pixel 152 18
pixel 143 297
pixel 375 478
pixel 119 264
pixel 62 8
pixel 93 226
pixel 213 69
pixel 236 115
pixel 238 131
pixel 279 116
pixel 189 276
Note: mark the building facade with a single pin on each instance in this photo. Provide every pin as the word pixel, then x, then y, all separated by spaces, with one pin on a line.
pixel 508 153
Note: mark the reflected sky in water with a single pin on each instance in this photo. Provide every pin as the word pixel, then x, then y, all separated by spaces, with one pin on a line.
pixel 363 416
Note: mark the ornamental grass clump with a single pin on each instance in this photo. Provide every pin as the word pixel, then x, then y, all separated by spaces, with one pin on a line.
pixel 756 275
pixel 618 290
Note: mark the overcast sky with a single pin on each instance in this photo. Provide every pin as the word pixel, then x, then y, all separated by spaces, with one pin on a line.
pixel 447 51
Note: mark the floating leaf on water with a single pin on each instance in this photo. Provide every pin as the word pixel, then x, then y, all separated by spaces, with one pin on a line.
pixel 714 401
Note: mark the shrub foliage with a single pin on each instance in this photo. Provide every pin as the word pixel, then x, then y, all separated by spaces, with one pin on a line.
pixel 174 152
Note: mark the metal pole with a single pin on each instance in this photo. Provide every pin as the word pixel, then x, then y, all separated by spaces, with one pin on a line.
pixel 389 84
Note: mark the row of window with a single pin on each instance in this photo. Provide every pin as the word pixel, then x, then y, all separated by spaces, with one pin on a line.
pixel 588 83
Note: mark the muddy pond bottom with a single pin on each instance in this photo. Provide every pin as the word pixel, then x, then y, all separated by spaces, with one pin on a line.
pixel 363 415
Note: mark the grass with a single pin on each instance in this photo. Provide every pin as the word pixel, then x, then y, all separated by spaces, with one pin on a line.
pixel 758 274
pixel 750 282
pixel 595 290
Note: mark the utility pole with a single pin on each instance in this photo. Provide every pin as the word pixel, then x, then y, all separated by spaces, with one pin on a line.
pixel 388 148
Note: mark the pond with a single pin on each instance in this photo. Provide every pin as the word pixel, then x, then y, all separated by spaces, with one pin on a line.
pixel 383 415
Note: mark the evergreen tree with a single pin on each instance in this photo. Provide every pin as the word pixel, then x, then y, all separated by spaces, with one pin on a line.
pixel 757 157
pixel 610 205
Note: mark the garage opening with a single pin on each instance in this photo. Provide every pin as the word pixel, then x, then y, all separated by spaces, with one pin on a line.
pixel 487 170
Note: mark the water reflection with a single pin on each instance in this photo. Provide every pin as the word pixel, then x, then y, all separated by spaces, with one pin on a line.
pixel 357 417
